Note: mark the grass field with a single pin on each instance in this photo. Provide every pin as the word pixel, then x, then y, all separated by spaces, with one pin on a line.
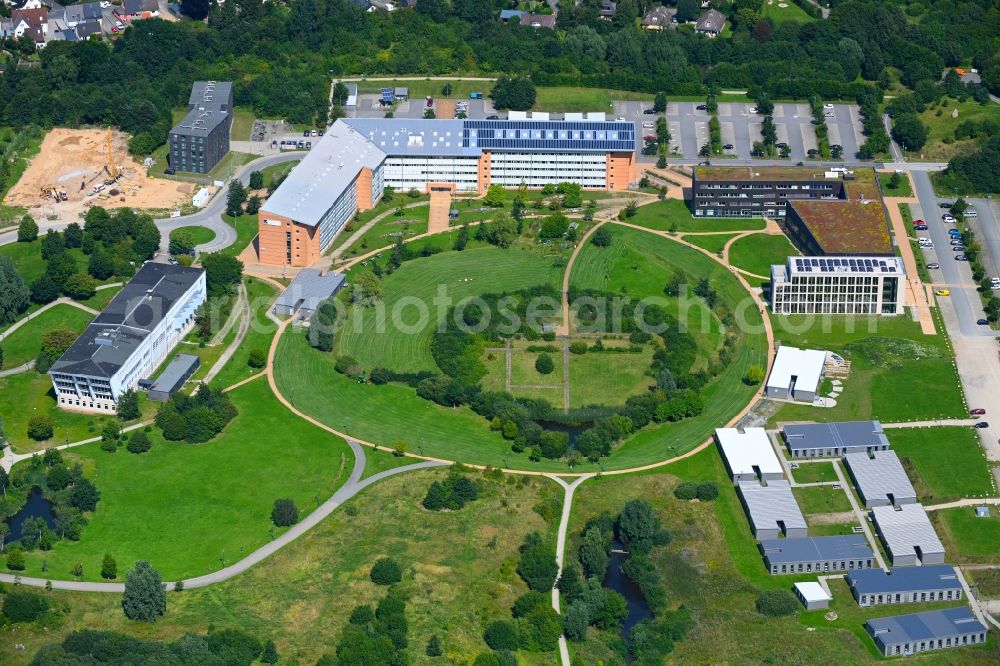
pixel 711 242
pixel 569 99
pixel 903 190
pixel 24 343
pixel 900 356
pixel 814 472
pixel 246 231
pixel 242 123
pixel 421 88
pixel 402 341
pixel 821 499
pixel 187 508
pixel 261 295
pixel 674 215
pixel 944 464
pixel 774 10
pixel 968 539
pixel 383 233
pixel 199 234
pixel 523 372
pixel 27 258
pixel 458 572
pixel 941 145
pixel 608 378
pixel 757 253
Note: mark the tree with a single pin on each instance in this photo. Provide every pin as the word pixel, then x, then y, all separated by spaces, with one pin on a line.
pixel 284 513
pixel 434 647
pixel 686 490
pixel 14 296
pixel 602 237
pixel 501 635
pixel 181 242
pixel 594 552
pixel 109 568
pixel 15 560
pixel 235 198
pixel 577 621
pixel 101 264
pixel 128 406
pixel 4 533
pixel 52 244
pixel 269 655
pixel 544 364
pixel 60 267
pixel 43 290
pixel 637 525
pixel 139 442
pixel 909 131
pixel 253 204
pixel 436 497
pixel 27 230
pixel 257 358
pixel 145 598
pixel 495 196
pixel 537 563
pixel 446 90
pixel 461 238
pixel 222 272
pixel 687 10
pixel 367 289
pixel 40 427
pixel 24 606
pixel 80 286
pixel 84 495
pixel 754 375
pixel 54 344
pixel 256 179
pixel 660 102
pixel 386 571
pixel 513 93
pixel 73 235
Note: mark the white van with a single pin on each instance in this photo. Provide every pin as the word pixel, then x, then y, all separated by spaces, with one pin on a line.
pixel 971 212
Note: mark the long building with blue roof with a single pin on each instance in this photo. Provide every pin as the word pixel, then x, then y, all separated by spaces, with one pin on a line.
pixel 348 169
pixel 905 585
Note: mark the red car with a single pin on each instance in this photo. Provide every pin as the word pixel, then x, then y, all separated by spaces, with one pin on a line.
pixel 916 222
pixel 977 412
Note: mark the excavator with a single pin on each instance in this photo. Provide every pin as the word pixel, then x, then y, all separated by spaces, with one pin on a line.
pixel 57 194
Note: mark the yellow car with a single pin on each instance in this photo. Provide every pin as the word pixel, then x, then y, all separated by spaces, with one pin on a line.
pixel 943 292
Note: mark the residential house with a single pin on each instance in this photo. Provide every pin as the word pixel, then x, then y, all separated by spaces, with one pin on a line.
pixel 74 15
pixel 539 20
pixel 508 15
pixel 710 23
pixel 32 21
pixel 140 9
pixel 659 18
pixel 88 28
pixel 607 10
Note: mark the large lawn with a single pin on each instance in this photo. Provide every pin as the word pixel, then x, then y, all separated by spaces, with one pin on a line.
pixel 458 573
pixel 711 242
pixel 757 253
pixel 821 499
pixel 903 189
pixel 944 464
pixel 198 234
pixel 886 353
pixel 967 538
pixel 412 222
pixel 785 10
pixel 815 472
pixel 674 215
pixel 941 128
pixel 261 296
pixel 24 343
pixel 409 309
pixel 246 231
pixel 607 378
pixel 187 508
pixel 569 99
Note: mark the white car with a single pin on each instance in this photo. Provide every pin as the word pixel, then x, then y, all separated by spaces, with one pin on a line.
pixel 828 107
pixel 753 109
pixel 105 4
pixel 648 126
pixel 970 213
pixel 119 25
pixel 620 119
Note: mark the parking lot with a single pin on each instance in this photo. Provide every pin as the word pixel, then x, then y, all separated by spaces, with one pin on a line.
pixel 370 107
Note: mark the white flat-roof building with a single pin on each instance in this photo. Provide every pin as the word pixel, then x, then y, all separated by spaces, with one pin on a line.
pixel 772 510
pixel 748 455
pixel 796 374
pixel 907 534
pixel 812 595
pixel 880 478
pixel 838 285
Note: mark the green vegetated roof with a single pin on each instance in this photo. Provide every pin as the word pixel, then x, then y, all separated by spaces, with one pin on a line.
pixel 846 227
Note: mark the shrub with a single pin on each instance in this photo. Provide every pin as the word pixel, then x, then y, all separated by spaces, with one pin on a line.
pixel 284 513
pixel 434 647
pixel 386 571
pixel 776 603
pixel 686 490
pixel 754 375
pixel 578 347
pixel 602 237
pixel 15 560
pixel 257 358
pixel 544 364
pixel 139 442
pixel 109 568
pixel 708 491
pixel 40 427
pixel 24 606
pixel 501 635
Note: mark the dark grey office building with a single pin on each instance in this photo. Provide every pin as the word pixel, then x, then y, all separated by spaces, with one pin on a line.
pixel 817 554
pixel 201 139
pixel 930 630
pixel 905 585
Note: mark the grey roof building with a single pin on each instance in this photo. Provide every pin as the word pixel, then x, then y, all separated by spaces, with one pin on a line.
pixel 309 288
pixel 817 554
pixel 89 11
pixel 833 440
pixel 170 381
pixel 930 630
pixel 907 534
pixel 880 478
pixel 201 139
pixel 771 509
pixel 905 585
pixel 711 23
pixel 129 338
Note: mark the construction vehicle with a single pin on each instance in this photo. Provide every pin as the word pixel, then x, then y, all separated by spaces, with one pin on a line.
pixel 114 170
pixel 56 193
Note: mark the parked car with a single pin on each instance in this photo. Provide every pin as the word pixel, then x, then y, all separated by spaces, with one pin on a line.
pixel 313 133
pixel 958 248
pixel 648 126
pixel 920 227
pixel 620 119
pixel 934 265
pixel 944 204
pixel 830 114
pixel 649 112
pixel 781 144
pixel 954 232
pixel 727 146
pixel 753 109
pixel 492 117
pixel 309 145
pixel 916 222
pixel 836 146
pixel 943 292
pixel 119 25
pixel 702 107
pixel 978 411
pixel 983 322
pixel 305 132
pixel 982 424
pixel 949 218
pixel 961 257
pixel 995 280
pixel 970 213
pixel 828 107
pixel 957 241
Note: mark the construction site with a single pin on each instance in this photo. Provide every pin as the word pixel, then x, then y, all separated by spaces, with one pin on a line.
pixel 79 168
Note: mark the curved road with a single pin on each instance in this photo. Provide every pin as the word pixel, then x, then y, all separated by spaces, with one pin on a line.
pixel 352 487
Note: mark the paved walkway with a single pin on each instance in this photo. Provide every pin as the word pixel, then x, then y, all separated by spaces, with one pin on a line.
pixel 933 424
pixel 352 487
pixel 995 501
pixel 245 317
pixel 437 216
pixel 916 294
pixel 24 367
pixel 48 306
pixel 859 514
pixel 10 458
pixel 567 507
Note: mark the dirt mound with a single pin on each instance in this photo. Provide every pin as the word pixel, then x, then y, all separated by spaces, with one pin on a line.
pixel 74 161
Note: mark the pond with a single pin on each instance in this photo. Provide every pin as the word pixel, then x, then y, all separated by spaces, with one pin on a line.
pixel 573 430
pixel 615 580
pixel 36 507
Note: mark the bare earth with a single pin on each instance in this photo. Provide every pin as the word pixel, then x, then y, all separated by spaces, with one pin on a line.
pixel 70 158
